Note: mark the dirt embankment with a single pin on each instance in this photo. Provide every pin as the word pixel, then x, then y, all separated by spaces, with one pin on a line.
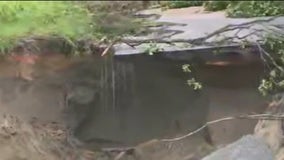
pixel 21 140
pixel 35 140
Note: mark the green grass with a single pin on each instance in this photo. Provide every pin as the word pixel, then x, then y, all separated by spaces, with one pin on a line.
pixel 71 21
pixel 20 19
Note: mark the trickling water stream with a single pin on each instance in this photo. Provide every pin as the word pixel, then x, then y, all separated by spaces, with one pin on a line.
pixel 116 84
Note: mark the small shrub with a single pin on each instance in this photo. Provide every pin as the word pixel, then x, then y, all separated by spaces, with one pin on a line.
pixel 245 9
pixel 152 48
pixel 181 4
pixel 113 18
pixel 121 7
pixel 215 5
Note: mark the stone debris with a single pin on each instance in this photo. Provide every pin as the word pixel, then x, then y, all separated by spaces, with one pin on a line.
pixel 247 148
pixel 265 144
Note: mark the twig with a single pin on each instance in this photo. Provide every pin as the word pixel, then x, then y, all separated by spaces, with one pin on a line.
pixel 188 157
pixel 236 36
pixel 271 59
pixel 124 150
pixel 256 116
pixel 117 149
pixel 120 155
pixel 131 45
pixel 108 47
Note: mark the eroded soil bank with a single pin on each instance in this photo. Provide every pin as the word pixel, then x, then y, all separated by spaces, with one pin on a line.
pixel 127 100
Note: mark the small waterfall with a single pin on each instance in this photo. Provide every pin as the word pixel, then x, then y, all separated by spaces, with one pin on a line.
pixel 117 84
pixel 113 84
pixel 125 91
pixel 106 95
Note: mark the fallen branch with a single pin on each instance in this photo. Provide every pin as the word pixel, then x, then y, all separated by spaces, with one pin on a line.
pixel 201 40
pixel 165 39
pixel 117 149
pixel 262 51
pixel 123 150
pixel 256 117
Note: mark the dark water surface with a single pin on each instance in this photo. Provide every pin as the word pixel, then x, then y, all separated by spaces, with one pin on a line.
pixel 131 99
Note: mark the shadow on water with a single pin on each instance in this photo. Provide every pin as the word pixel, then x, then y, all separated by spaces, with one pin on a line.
pixel 125 100
pixel 147 97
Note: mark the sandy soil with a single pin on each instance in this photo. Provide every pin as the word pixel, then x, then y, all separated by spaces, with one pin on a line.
pixel 193 13
pixel 187 13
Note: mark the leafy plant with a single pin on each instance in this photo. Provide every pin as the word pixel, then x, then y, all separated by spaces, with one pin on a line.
pixel 194 84
pixel 255 8
pixel 152 48
pixel 186 68
pixel 273 82
pixel 191 82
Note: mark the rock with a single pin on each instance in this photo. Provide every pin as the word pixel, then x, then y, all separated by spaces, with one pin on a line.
pixel 271 132
pixel 247 148
pixel 82 95
pixel 222 104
